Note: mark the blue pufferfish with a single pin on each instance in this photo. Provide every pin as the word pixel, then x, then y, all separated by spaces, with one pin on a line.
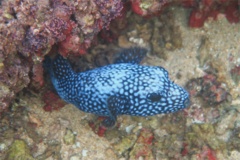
pixel 121 88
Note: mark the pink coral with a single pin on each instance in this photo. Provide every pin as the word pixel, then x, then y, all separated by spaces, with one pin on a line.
pixel 43 23
pixel 35 41
pixel 71 44
pixel 13 78
pixel 56 27
pixel 30 29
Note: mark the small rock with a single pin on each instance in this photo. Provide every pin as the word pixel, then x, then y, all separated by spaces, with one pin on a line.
pixel 19 151
pixel 69 137
pixel 33 118
pixel 84 152
pixel 234 155
pixel 125 144
pixel 129 128
pixel 2 147
pixel 75 157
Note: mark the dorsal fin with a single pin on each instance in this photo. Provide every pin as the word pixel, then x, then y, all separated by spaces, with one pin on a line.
pixel 132 55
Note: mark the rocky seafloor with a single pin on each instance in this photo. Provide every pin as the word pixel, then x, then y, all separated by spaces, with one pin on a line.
pixel 206 61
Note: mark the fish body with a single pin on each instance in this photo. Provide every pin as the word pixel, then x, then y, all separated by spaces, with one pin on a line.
pixel 124 87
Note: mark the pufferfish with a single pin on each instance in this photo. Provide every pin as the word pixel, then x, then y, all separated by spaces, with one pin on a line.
pixel 122 88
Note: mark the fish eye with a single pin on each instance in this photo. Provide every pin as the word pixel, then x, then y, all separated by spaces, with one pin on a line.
pixel 154 97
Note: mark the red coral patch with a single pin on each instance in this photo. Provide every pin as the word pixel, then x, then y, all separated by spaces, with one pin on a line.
pixel 197 19
pixel 52 101
pixel 232 12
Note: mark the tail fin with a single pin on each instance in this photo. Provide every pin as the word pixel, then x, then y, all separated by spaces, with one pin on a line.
pixel 58 68
pixel 61 68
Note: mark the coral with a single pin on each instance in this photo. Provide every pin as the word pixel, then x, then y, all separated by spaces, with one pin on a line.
pixel 197 18
pixel 206 152
pixel 56 27
pixel 205 9
pixel 30 29
pixel 232 12
pixel 52 101
pixel 201 10
pixel 212 91
pixel 209 89
pixel 13 78
pixel 35 41
pixel 101 131
pixel 97 128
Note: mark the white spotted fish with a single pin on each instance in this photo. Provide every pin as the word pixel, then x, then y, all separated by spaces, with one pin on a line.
pixel 124 87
